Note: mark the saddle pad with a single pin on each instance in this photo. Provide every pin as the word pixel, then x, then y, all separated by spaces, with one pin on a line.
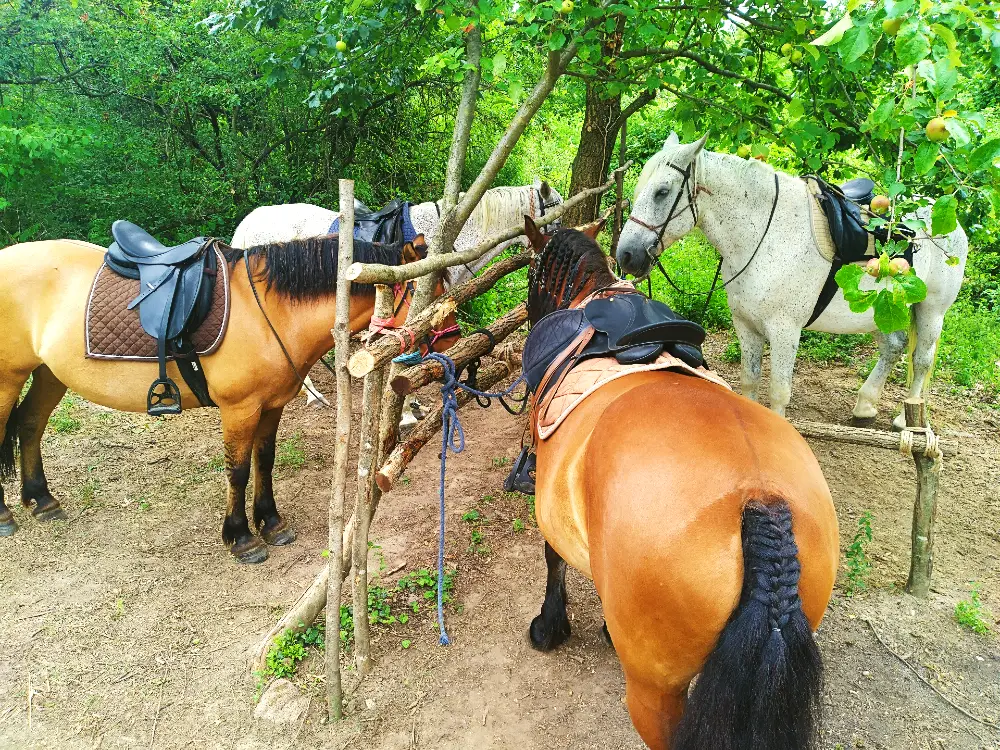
pixel 821 226
pixel 114 332
pixel 591 374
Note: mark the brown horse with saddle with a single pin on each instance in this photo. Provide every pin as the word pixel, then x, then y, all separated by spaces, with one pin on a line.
pixel 245 326
pixel 703 518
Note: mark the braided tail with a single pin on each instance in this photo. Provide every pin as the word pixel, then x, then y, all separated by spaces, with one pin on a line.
pixel 760 687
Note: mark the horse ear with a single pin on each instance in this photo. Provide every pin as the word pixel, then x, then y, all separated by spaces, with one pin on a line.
pixel 535 237
pixel 410 254
pixel 594 228
pixel 544 190
pixel 689 152
pixel 672 139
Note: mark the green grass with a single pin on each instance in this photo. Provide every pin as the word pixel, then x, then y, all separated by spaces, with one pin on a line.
pixel 63 420
pixel 290 453
pixel 290 648
pixel 969 352
pixel 972 614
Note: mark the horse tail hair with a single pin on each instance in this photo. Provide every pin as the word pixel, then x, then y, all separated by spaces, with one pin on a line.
pixel 760 687
pixel 8 447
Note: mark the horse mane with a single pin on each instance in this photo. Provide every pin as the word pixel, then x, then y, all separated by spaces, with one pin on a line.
pixel 305 269
pixel 562 270
pixel 741 166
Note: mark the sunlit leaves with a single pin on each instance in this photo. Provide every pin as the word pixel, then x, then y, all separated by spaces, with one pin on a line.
pixel 944 215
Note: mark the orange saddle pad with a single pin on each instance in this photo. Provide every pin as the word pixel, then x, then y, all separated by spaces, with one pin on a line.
pixel 114 332
pixel 591 374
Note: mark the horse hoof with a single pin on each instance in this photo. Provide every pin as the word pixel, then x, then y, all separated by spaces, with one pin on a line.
pixel 278 537
pixel 547 636
pixel 7 524
pixel 50 512
pixel 863 421
pixel 251 552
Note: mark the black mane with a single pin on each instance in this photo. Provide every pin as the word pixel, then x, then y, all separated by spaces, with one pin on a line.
pixel 561 271
pixel 307 268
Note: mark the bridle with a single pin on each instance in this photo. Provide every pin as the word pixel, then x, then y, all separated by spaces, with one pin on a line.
pixel 691 188
pixel 404 291
pixel 542 205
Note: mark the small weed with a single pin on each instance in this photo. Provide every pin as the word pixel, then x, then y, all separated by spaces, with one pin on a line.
pixel 531 509
pixel 476 544
pixel 216 463
pixel 405 481
pixel 379 613
pixel 144 504
pixel 118 609
pixel 733 353
pixel 425 581
pixel 405 644
pixel 88 492
pixel 972 614
pixel 289 649
pixel 488 499
pixel 518 525
pixel 500 462
pixel 858 564
pixel 471 516
pixel 62 420
pixel 290 454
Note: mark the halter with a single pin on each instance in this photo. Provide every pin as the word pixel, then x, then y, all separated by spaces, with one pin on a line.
pixel 542 205
pixel 689 186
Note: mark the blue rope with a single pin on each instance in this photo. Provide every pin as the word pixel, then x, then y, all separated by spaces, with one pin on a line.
pixel 453 439
pixel 409 359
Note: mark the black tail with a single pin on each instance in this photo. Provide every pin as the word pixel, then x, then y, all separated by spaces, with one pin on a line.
pixel 760 687
pixel 8 448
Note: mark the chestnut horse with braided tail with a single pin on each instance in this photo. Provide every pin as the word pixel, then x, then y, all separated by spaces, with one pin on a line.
pixel 709 532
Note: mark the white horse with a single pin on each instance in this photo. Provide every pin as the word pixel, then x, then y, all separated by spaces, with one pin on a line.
pixel 772 298
pixel 500 208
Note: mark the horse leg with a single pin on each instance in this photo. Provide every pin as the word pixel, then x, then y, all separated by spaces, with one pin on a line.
pixel 890 348
pixel 9 394
pixel 551 627
pixel 655 713
pixel 928 326
pixel 238 438
pixel 751 353
pixel 269 523
pixel 784 340
pixel 32 417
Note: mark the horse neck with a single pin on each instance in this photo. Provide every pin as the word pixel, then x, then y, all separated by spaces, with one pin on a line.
pixel 734 206
pixel 303 325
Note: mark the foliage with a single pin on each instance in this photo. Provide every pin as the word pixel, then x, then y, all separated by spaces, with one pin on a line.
pixel 291 647
pixel 290 453
pixel 424 582
pixel 972 614
pixel 858 564
pixel 62 420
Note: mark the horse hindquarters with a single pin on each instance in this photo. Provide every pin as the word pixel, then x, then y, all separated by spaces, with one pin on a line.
pixel 760 687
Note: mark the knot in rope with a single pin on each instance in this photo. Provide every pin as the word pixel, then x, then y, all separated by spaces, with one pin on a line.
pixel 932 449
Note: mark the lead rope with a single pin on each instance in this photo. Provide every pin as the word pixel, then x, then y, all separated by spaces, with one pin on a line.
pixel 453 439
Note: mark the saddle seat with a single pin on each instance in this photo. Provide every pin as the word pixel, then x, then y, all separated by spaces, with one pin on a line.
pixel 390 224
pixel 176 294
pixel 859 190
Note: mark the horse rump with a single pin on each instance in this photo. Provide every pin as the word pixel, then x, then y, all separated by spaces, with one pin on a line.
pixel 760 687
pixel 8 448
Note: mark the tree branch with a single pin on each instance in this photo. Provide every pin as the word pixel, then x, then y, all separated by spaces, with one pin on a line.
pixel 638 103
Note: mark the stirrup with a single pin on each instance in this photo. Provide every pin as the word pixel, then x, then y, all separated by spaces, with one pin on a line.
pixel 158 402
pixel 522 476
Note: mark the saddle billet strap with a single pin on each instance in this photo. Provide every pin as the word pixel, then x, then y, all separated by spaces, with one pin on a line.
pixel 167 400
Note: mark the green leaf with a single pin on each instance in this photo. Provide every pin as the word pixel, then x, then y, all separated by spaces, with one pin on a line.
pixel 849 276
pixel 913 287
pixel 883 111
pixel 861 302
pixel 983 156
pixel 912 44
pixel 897 8
pixel 896 189
pixel 946 35
pixel 499 64
pixel 856 42
pixel 945 79
pixel 944 215
pixel 927 154
pixel 957 130
pixel 557 41
pixel 890 315
pixel 835 33
pixel 796 109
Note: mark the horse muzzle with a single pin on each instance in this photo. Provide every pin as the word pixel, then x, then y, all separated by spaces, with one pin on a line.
pixel 635 254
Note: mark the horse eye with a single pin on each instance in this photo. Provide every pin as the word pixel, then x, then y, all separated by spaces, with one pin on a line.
pixel 662 193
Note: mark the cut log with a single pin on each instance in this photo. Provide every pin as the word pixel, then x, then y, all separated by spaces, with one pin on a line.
pixel 405 452
pixel 466 350
pixel 865 436
pixel 383 350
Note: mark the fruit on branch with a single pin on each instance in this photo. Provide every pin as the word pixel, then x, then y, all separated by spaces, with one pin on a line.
pixel 796 56
pixel 872 268
pixel 936 130
pixel 567 6
pixel 786 49
pixel 879 205
pixel 891 26
pixel 898 266
pixel 743 151
pixel 341 45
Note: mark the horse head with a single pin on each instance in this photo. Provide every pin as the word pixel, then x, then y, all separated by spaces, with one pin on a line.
pixel 664 206
pixel 439 340
pixel 548 198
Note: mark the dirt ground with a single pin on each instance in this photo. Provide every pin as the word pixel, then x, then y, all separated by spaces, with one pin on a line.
pixel 131 626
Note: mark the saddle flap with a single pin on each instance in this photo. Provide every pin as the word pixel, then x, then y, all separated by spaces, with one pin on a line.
pixel 629 319
pixel 548 339
pixel 639 354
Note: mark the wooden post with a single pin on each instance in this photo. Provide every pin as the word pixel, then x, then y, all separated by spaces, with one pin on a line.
pixel 924 507
pixel 341 337
pixel 363 512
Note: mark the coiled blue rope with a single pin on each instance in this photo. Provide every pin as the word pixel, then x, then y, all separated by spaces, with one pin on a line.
pixel 453 439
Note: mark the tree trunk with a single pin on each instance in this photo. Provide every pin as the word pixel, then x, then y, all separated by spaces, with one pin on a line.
pixel 593 155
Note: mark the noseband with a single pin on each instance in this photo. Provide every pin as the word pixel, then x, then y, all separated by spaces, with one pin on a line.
pixel 691 188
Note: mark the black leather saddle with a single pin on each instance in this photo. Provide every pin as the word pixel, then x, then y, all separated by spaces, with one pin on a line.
pixel 176 286
pixel 859 190
pixel 848 231
pixel 629 327
pixel 388 225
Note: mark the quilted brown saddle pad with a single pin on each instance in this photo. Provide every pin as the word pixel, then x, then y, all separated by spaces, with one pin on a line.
pixel 114 332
